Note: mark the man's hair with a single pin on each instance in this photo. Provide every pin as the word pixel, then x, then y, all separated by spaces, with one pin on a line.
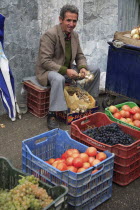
pixel 68 8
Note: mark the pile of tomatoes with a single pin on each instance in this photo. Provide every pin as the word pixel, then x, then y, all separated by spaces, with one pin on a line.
pixel 76 161
pixel 127 114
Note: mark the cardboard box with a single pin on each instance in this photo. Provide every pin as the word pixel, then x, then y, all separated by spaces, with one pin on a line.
pixel 70 117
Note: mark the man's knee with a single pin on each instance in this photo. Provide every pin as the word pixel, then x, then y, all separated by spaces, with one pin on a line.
pixel 59 79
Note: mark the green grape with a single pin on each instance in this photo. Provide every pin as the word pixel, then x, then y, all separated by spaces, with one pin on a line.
pixel 26 195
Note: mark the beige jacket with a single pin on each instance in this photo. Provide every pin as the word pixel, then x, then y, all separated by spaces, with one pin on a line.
pixel 52 53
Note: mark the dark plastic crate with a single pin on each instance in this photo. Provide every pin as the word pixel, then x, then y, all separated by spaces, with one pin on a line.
pixel 9 177
pixel 53 144
pixel 126 157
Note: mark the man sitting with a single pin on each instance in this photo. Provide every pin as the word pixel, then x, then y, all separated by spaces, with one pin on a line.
pixel 59 48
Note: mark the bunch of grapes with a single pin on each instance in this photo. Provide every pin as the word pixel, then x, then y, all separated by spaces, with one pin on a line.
pixel 26 195
pixel 109 134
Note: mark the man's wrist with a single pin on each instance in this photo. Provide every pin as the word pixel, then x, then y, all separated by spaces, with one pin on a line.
pixel 63 70
pixel 81 67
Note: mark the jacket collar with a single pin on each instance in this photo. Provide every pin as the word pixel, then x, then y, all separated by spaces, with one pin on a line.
pixel 73 39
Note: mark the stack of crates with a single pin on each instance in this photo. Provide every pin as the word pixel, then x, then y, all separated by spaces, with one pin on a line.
pixel 127 158
pixel 85 190
pixel 37 99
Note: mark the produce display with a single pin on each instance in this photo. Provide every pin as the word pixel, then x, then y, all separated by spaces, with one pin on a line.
pixel 109 134
pixel 127 114
pixel 75 161
pixel 135 33
pixel 26 195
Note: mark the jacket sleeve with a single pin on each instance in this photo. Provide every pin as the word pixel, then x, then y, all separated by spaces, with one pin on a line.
pixel 47 52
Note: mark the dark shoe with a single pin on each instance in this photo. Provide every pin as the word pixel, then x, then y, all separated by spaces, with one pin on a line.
pixel 52 122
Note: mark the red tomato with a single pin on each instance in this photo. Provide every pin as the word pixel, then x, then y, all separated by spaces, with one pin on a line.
pixel 136 123
pixel 64 155
pixel 91 159
pixel 127 114
pixel 126 107
pixel 86 165
pixel 91 151
pixel 113 109
pixel 95 162
pixel 77 162
pixel 84 157
pixel 75 151
pixel 72 168
pixel 51 161
pixel 136 116
pixel 101 156
pixel 94 171
pixel 80 170
pixel 74 155
pixel 123 113
pixel 135 109
pixel 123 119
pixel 117 115
pixel 69 152
pixel 69 161
pixel 58 159
pixel 55 163
pixel 61 166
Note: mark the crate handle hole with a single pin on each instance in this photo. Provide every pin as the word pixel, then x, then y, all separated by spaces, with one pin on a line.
pixel 84 121
pixel 40 140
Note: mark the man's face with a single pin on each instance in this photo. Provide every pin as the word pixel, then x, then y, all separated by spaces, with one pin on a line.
pixel 69 22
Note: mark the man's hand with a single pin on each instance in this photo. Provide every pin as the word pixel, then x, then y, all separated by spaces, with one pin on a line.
pixel 83 72
pixel 72 73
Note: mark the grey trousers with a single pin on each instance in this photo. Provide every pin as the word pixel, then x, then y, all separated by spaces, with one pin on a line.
pixel 57 83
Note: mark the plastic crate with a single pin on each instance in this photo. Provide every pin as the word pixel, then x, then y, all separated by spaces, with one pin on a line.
pixel 70 117
pixel 82 187
pixel 36 90
pixel 37 99
pixel 126 157
pixel 125 179
pixel 42 106
pixel 9 177
pixel 119 106
pixel 37 112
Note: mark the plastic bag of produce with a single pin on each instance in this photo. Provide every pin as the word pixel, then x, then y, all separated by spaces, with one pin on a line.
pixel 78 100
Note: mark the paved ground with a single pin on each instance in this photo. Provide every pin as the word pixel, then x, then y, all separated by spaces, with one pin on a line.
pixel 123 198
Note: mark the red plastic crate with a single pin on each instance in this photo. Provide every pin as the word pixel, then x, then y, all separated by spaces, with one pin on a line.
pixel 127 158
pixel 99 119
pixel 38 105
pixel 37 112
pixel 125 179
pixel 128 168
pixel 36 90
pixel 37 99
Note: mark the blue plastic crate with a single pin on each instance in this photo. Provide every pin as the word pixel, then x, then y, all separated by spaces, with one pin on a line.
pixel 52 144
